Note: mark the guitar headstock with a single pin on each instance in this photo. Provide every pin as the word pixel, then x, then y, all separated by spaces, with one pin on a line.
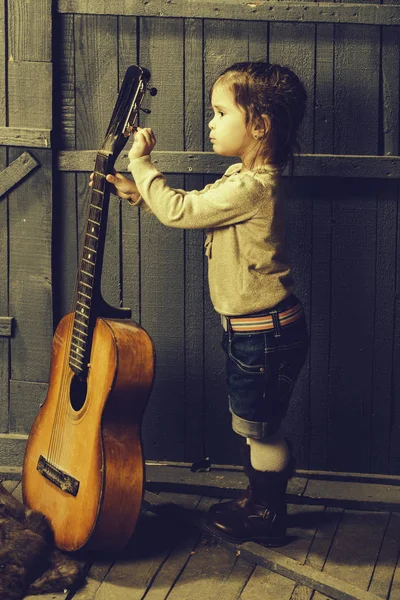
pixel 130 97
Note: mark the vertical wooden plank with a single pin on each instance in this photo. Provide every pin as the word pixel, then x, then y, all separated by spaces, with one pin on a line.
pixel 4 342
pixel 194 251
pixel 390 90
pixel 353 299
pixel 357 50
pixel 395 415
pixel 30 218
pixel 353 250
pixel 30 27
pixel 293 45
pixel 162 248
pixel 320 316
pixel 224 44
pixel 382 366
pixel 96 94
pixel 130 238
pixel 65 242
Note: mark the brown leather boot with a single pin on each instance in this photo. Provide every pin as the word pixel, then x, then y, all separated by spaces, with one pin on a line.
pixel 246 495
pixel 262 516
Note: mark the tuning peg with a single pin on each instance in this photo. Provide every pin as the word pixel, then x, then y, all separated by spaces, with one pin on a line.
pixel 145 110
pixel 153 91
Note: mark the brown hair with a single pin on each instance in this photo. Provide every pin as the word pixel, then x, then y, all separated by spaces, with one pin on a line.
pixel 275 91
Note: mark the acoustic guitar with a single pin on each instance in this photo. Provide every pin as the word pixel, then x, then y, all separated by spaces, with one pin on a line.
pixel 83 466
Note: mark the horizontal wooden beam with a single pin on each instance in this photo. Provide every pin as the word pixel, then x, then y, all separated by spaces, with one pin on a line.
pixel 6 326
pixel 16 172
pixel 307 165
pixel 305 12
pixel 25 136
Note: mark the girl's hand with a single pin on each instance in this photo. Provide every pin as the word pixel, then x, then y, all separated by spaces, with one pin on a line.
pixel 122 186
pixel 143 143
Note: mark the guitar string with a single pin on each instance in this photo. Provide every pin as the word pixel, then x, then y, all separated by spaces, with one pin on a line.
pixel 65 404
pixel 64 388
pixel 56 443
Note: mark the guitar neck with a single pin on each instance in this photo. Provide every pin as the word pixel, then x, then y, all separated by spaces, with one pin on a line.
pixel 88 297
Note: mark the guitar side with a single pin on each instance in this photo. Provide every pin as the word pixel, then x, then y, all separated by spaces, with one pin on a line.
pixel 97 444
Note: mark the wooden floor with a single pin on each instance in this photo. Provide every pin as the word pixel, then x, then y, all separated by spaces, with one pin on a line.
pixel 344 543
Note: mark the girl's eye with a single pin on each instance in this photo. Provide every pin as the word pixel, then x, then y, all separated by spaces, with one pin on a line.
pixel 221 114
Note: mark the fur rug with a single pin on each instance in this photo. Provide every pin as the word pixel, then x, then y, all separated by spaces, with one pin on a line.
pixel 29 561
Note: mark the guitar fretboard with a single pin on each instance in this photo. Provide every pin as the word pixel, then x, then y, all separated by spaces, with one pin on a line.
pixel 88 282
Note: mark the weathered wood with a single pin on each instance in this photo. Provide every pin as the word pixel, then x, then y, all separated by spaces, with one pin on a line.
pixel 12 448
pixel 224 44
pixel 162 248
pixel 17 171
pixel 30 218
pixel 6 326
pixel 65 115
pixel 292 569
pixel 307 165
pixel 96 95
pixel 26 136
pixel 382 399
pixel 26 398
pixel 195 283
pixel 387 559
pixel 231 9
pixel 264 584
pixel 390 90
pixel 30 28
pixel 4 283
pixel 130 218
pixel 37 78
pixel 356 546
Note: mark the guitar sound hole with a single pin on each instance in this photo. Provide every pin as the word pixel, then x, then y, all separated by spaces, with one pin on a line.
pixel 78 392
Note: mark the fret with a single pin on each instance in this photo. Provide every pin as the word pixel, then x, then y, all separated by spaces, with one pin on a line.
pixel 91 249
pixel 100 174
pixel 80 330
pixel 89 261
pixel 77 338
pixel 95 222
pixel 78 351
pixel 77 360
pixel 95 206
pixel 92 236
pixel 86 273
pixel 85 295
pixel 86 284
pixel 98 191
pixel 82 304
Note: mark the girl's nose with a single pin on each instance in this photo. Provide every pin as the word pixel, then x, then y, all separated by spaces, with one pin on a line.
pixel 210 125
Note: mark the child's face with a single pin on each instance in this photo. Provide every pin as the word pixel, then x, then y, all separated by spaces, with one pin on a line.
pixel 229 135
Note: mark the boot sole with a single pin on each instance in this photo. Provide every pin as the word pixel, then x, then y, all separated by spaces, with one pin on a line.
pixel 269 542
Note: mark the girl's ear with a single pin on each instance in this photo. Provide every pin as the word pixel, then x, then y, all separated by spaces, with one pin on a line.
pixel 262 127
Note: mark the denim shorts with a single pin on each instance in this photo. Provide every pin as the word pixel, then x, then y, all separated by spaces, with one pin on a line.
pixel 262 368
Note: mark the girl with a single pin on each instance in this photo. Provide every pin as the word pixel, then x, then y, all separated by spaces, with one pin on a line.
pixel 257 108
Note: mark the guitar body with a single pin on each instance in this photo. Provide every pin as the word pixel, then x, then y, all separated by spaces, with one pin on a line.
pixel 91 431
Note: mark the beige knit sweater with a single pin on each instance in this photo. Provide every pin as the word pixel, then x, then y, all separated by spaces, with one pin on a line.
pixel 243 215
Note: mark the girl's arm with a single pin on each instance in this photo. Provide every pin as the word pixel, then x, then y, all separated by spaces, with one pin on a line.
pixel 226 202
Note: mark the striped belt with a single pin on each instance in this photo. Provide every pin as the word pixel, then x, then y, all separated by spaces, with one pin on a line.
pixel 262 322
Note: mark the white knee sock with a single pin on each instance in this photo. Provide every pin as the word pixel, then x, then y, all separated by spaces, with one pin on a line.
pixel 269 454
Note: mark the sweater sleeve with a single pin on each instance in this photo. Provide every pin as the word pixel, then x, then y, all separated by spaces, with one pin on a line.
pixel 230 200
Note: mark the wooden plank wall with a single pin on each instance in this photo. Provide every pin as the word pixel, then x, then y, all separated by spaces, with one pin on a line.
pixel 342 233
pixel 25 219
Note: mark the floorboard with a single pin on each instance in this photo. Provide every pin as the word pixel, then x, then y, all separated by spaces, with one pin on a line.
pixel 169 557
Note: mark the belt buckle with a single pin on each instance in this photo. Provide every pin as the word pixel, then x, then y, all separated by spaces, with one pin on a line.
pixel 224 322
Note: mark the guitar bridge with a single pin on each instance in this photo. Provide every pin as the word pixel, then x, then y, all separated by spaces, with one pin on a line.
pixel 65 482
